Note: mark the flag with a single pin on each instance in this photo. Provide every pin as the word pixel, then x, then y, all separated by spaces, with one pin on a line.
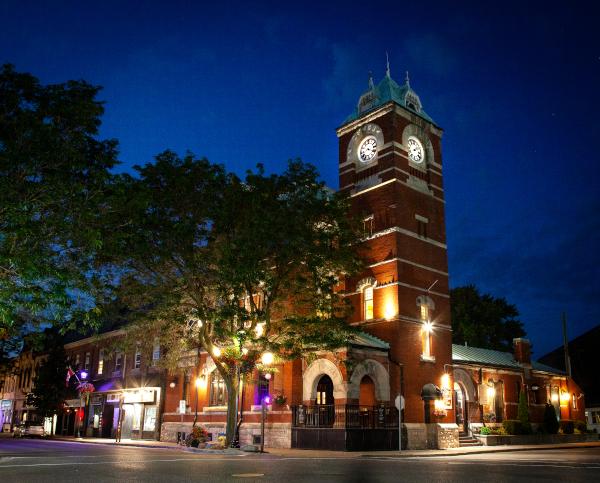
pixel 69 374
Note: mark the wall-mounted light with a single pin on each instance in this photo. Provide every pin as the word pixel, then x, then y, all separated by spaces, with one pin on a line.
pixel 427 326
pixel 268 376
pixel 172 384
pixel 216 352
pixel 491 392
pixel 446 381
pixel 535 388
pixel 390 310
pixel 267 358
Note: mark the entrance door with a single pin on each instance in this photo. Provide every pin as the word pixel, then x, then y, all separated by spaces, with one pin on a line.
pixel 460 404
pixel 107 420
pixel 127 423
pixel 324 401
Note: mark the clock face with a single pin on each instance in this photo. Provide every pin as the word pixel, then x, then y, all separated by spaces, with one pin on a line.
pixel 415 150
pixel 367 149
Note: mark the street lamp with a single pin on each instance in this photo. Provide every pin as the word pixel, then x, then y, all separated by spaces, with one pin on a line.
pixel 198 384
pixel 266 359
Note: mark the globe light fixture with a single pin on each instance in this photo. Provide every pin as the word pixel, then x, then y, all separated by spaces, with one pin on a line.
pixel 84 374
pixel 267 358
pixel 216 352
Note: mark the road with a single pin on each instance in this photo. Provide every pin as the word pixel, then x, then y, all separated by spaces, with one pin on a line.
pixel 57 461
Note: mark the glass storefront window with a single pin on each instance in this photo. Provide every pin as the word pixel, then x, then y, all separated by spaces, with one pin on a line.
pixel 150 418
pixel 137 416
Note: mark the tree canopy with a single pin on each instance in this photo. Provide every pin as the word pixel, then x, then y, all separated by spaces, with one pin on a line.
pixel 234 267
pixel 481 320
pixel 49 389
pixel 54 173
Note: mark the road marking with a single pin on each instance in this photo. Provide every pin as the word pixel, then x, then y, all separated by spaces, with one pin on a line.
pixel 200 460
pixel 487 463
pixel 248 475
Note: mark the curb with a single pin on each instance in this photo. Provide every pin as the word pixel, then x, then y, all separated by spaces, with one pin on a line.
pixel 499 450
pixel 113 443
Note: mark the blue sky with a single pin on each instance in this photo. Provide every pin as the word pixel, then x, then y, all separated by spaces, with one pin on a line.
pixel 514 85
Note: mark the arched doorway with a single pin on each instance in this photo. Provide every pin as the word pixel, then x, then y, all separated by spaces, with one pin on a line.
pixel 324 402
pixel 324 391
pixel 367 392
pixel 460 404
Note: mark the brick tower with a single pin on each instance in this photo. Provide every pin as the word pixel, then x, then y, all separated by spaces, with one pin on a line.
pixel 390 162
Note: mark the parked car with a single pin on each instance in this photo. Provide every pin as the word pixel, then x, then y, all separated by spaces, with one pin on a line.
pixel 30 428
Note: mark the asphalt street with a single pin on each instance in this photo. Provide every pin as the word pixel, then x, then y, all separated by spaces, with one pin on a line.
pixel 57 461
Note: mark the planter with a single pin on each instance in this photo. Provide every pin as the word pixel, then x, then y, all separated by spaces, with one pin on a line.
pixel 495 440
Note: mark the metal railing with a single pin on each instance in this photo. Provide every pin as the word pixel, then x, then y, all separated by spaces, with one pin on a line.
pixel 344 416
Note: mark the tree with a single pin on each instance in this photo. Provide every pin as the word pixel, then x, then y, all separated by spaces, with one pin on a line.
pixel 523 413
pixel 49 389
pixel 483 320
pixel 54 176
pixel 236 268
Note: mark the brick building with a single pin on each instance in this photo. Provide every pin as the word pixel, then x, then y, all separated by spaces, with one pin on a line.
pixel 14 388
pixel 487 385
pixel 390 163
pixel 129 386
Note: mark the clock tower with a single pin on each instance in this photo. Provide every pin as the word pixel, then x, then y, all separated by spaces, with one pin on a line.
pixel 390 164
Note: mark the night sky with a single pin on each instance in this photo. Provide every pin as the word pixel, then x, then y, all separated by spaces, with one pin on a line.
pixel 516 88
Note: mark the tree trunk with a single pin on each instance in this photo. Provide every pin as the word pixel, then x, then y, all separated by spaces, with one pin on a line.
pixel 232 396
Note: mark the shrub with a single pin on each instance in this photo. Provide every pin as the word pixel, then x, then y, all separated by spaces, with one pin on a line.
pixel 550 421
pixel 499 431
pixel 523 414
pixel 197 436
pixel 512 426
pixel 485 431
pixel 581 426
pixel 567 426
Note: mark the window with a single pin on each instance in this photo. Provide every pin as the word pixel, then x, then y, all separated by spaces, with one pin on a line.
pixel 421 226
pixel 77 361
pixel 150 418
pixel 138 357
pixel 118 361
pixel 263 388
pixel 368 303
pixel 425 305
pixel 100 362
pixel 88 359
pixel 574 401
pixel 368 225
pixel 218 391
pixel 155 352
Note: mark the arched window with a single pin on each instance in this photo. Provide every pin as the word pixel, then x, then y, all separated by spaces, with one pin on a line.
pixel 368 303
pixel 425 306
pixel 365 287
pixel 218 391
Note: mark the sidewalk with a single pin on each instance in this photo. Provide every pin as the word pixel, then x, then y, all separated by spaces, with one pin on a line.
pixel 307 453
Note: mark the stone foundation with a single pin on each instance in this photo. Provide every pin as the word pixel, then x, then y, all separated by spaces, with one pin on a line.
pixel 277 435
pixel 431 436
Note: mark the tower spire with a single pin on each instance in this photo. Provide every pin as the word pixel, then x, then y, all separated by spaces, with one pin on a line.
pixel 407 80
pixel 387 62
pixel 371 84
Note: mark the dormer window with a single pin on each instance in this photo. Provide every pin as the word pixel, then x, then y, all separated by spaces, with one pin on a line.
pixel 412 102
pixel 367 101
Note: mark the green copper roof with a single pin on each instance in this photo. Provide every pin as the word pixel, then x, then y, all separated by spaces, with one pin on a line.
pixel 488 357
pixel 386 91
pixel 367 340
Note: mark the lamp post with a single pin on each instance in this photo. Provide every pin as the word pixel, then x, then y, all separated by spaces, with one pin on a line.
pixel 267 359
pixel 83 375
pixel 197 385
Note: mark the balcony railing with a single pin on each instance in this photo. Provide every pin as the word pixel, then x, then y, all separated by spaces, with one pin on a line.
pixel 344 416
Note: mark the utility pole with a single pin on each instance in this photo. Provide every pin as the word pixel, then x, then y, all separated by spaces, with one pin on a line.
pixel 566 345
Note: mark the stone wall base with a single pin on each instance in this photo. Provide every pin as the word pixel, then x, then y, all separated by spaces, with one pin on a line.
pixel 277 435
pixel 431 436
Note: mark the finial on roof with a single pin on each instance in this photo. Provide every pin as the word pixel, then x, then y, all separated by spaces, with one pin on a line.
pixel 371 84
pixel 407 80
pixel 387 61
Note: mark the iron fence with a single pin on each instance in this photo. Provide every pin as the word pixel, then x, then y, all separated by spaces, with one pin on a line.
pixel 344 416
